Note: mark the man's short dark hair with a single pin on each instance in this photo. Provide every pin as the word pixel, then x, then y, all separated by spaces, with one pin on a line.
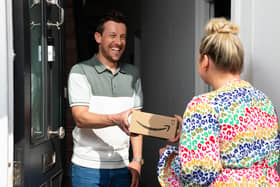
pixel 112 15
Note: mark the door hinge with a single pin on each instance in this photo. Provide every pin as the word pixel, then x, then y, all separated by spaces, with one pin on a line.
pixel 65 93
pixel 17 173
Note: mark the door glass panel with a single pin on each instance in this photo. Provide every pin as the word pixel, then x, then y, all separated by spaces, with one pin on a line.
pixel 37 70
pixel 54 59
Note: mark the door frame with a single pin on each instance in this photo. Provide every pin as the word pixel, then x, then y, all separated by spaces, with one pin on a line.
pixel 6 94
pixel 203 11
pixel 243 14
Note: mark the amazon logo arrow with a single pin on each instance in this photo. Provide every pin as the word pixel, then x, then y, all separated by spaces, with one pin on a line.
pixel 166 127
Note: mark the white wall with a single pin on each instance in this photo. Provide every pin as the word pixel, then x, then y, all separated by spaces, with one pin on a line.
pixel 260 33
pixel 167 66
pixel 6 94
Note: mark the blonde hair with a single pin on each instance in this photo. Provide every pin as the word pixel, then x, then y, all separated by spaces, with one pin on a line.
pixel 222 45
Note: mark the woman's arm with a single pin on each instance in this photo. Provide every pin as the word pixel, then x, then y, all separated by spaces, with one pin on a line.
pixel 198 159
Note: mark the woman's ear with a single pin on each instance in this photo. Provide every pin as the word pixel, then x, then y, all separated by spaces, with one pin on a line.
pixel 205 62
pixel 97 37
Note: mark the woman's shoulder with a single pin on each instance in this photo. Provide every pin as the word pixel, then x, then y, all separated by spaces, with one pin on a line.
pixel 200 100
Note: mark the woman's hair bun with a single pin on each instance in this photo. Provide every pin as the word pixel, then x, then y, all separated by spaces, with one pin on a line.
pixel 221 25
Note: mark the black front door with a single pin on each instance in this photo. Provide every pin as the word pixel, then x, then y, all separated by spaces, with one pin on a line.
pixel 38 120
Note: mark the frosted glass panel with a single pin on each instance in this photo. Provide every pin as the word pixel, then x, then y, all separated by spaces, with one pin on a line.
pixel 37 70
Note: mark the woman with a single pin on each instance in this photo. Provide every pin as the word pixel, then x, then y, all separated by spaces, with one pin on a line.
pixel 229 136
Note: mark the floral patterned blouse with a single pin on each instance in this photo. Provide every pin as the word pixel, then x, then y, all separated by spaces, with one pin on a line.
pixel 229 137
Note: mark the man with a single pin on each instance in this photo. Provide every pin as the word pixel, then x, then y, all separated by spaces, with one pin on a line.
pixel 102 94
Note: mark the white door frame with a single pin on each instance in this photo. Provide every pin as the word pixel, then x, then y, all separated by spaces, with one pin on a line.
pixel 203 12
pixel 242 13
pixel 6 94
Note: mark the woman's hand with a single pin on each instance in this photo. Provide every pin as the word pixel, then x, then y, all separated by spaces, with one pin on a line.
pixel 161 150
pixel 177 138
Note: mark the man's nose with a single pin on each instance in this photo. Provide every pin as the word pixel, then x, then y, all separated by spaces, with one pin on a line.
pixel 118 40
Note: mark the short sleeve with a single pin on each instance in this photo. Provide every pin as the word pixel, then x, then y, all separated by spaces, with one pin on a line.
pixel 79 90
pixel 138 96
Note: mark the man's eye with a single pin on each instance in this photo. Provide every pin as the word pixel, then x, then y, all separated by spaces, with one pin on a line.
pixel 112 35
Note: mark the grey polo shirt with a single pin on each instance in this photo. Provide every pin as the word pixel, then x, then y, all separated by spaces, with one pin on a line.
pixel 91 84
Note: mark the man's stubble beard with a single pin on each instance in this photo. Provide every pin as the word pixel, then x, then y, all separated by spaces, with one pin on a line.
pixel 108 57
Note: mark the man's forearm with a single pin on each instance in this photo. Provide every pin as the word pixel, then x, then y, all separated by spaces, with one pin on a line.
pixel 92 120
pixel 137 143
pixel 86 119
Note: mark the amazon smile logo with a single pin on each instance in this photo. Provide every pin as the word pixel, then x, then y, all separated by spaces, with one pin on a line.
pixel 166 127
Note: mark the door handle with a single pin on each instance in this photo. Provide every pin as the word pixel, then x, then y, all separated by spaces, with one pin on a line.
pixel 61 21
pixel 60 132
pixel 34 4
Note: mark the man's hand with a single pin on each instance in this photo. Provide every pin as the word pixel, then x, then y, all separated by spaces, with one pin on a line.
pixel 135 170
pixel 121 120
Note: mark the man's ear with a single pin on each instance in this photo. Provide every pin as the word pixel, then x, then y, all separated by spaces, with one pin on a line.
pixel 97 37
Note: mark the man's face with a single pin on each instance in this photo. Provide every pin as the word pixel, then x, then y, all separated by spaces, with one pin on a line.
pixel 112 41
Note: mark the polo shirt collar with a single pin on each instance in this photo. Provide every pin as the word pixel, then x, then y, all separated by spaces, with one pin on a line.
pixel 100 68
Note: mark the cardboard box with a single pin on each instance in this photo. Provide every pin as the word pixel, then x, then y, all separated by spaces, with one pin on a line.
pixel 153 125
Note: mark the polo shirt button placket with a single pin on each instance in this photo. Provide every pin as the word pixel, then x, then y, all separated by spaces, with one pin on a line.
pixel 113 85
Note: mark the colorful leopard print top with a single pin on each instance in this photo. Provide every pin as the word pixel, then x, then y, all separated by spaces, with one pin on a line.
pixel 229 137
